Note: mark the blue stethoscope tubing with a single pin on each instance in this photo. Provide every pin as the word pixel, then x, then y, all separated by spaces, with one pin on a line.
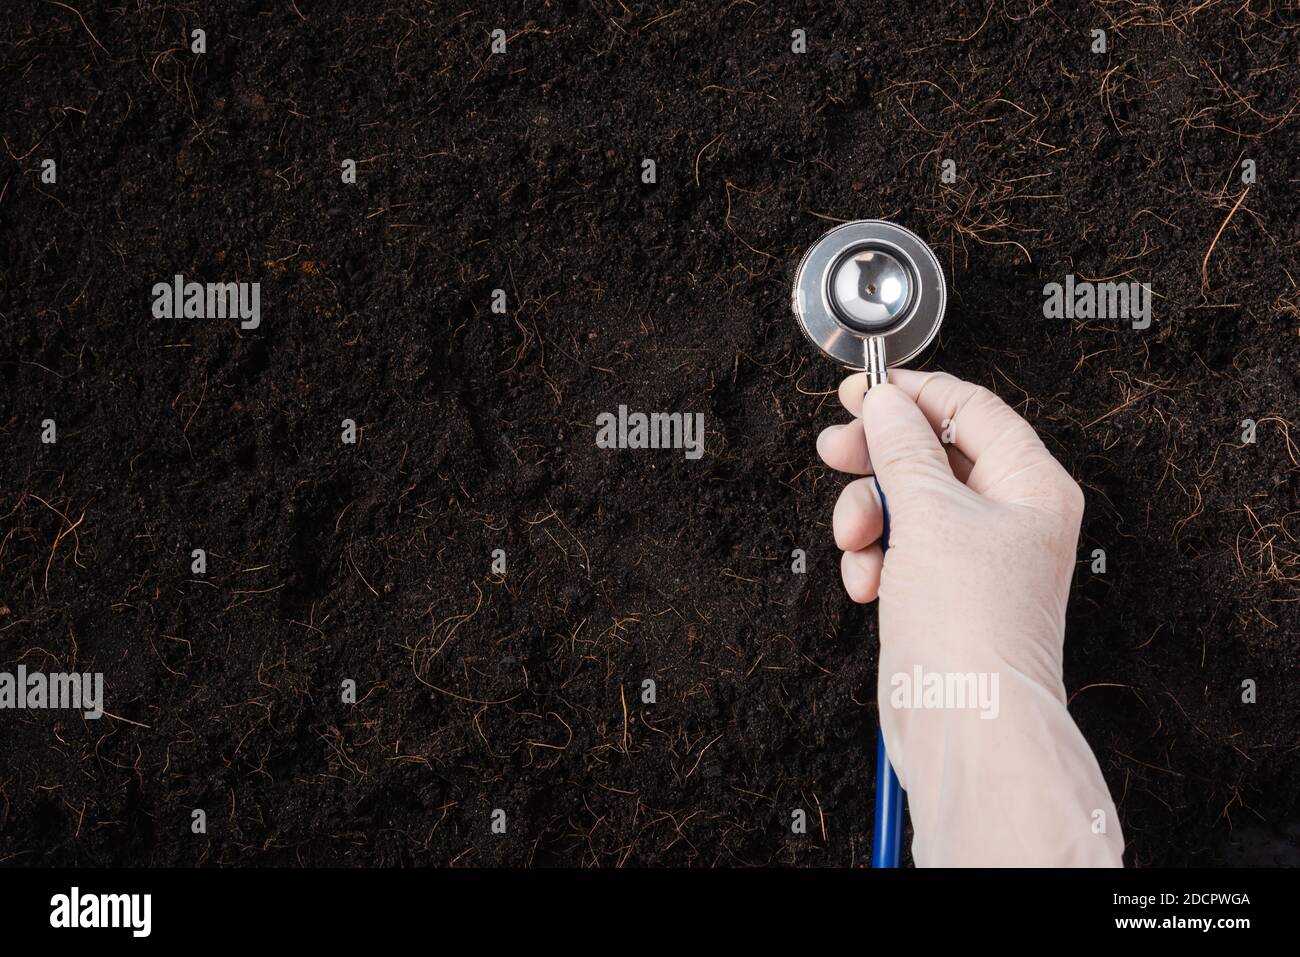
pixel 887 833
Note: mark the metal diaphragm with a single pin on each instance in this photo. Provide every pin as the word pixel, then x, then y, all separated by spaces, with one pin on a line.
pixel 868 279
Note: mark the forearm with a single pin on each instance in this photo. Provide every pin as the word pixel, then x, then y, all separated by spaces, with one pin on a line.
pixel 1019 787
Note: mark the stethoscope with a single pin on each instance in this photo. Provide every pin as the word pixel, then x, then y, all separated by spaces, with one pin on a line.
pixel 870 294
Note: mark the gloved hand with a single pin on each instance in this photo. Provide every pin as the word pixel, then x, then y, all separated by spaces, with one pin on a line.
pixel 983 530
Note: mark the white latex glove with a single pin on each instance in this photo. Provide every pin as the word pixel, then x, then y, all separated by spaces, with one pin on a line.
pixel 983 531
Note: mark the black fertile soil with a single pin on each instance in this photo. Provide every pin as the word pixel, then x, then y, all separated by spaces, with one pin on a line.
pixel 523 171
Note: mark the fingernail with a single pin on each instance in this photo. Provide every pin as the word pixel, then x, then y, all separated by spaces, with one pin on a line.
pixel 855 570
pixel 825 437
pixel 881 399
pixel 855 577
pixel 866 494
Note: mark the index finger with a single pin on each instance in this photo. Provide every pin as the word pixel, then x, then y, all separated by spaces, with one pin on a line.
pixel 1003 448
pixel 854 386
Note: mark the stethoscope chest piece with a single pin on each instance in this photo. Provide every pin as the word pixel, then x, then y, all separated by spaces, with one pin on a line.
pixel 870 288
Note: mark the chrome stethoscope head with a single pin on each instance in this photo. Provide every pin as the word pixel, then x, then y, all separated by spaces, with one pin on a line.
pixel 870 294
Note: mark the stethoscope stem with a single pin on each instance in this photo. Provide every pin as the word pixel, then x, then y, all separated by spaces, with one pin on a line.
pixel 874 361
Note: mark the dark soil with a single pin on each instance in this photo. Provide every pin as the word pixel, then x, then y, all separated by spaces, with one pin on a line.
pixel 522 171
